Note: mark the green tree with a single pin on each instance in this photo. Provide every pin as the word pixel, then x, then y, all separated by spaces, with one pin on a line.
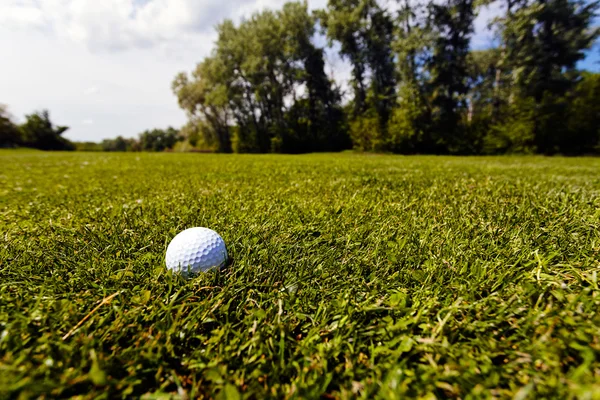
pixel 344 22
pixel 88 146
pixel 206 100
pixel 264 87
pixel 544 41
pixel 9 132
pixel 448 69
pixel 39 132
pixel 315 119
pixel 410 124
pixel 191 132
pixel 158 139
pixel 365 32
pixel 481 81
pixel 584 117
pixel 120 144
pixel 483 97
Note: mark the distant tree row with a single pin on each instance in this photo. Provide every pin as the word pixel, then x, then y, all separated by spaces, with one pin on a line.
pixel 39 132
pixel 36 132
pixel 149 140
pixel 416 85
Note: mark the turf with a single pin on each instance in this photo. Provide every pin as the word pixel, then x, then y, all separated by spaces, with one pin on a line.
pixel 352 276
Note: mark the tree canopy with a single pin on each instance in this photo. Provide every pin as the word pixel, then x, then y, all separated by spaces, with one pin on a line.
pixel 416 85
pixel 264 88
pixel 39 132
pixel 9 132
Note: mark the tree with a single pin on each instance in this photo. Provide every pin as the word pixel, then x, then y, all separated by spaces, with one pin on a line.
pixel 448 68
pixel 88 146
pixel 39 132
pixel 417 85
pixel 343 21
pixel 206 99
pixel 365 32
pixel 315 120
pixel 120 144
pixel 158 139
pixel 544 41
pixel 584 117
pixel 410 124
pixel 9 132
pixel 264 87
pixel 383 70
pixel 483 97
pixel 481 81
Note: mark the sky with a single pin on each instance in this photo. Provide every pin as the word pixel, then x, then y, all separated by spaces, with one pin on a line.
pixel 104 67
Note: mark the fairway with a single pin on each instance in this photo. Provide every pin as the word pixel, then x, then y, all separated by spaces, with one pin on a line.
pixel 353 275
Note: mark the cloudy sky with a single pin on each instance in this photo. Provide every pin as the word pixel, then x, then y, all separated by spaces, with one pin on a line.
pixel 104 67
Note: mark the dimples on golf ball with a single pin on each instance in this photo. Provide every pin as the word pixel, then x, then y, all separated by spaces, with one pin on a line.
pixel 196 250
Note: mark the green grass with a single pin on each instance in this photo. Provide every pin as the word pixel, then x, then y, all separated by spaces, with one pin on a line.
pixel 352 276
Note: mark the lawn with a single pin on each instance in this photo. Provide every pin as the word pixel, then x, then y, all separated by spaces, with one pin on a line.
pixel 352 276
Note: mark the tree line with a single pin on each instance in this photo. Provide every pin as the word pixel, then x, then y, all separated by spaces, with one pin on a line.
pixel 148 140
pixel 39 132
pixel 416 84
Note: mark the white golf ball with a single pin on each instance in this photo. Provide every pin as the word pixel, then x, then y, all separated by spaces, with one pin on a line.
pixel 196 250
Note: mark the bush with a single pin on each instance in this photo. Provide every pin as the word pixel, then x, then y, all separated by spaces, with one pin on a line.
pixel 406 128
pixel 159 139
pixel 364 132
pixel 584 117
pixel 120 144
pixel 245 140
pixel 88 146
pixel 516 133
pixel 9 133
pixel 39 132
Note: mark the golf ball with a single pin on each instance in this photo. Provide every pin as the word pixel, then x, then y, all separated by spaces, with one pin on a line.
pixel 196 250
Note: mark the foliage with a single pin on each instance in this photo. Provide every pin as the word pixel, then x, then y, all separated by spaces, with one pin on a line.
pixel 88 146
pixel 417 86
pixel 365 32
pixel 352 277
pixel 40 133
pixel 156 139
pixel 122 144
pixel 192 132
pixel 544 41
pixel 264 88
pixel 584 116
pixel 9 132
pixel 515 134
pixel 149 140
pixel 452 22
pixel 409 123
pixel 483 96
pixel 365 133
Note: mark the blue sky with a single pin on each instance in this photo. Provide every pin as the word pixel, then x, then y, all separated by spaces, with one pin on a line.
pixel 104 67
pixel 592 60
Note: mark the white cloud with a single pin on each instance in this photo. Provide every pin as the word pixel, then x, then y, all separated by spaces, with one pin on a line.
pixel 91 90
pixel 111 25
pixel 88 121
pixel 16 14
